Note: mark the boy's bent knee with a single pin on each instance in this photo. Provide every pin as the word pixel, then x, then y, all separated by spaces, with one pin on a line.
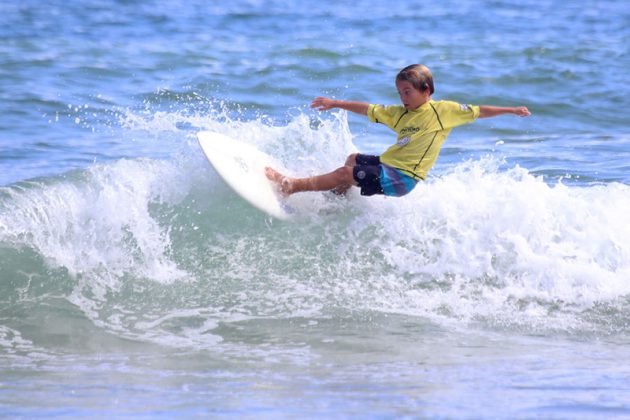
pixel 345 175
pixel 351 160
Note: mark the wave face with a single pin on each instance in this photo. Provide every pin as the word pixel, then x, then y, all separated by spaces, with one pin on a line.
pixel 160 250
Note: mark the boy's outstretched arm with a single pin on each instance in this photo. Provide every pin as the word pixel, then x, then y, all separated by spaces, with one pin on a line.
pixel 487 111
pixel 324 104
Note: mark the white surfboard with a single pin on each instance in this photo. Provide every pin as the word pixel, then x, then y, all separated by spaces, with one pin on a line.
pixel 242 167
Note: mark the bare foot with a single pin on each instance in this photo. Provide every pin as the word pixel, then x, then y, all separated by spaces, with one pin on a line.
pixel 283 183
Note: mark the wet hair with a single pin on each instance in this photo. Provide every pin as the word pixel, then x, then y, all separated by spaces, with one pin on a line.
pixel 419 76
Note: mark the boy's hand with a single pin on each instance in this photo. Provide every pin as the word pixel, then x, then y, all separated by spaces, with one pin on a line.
pixel 489 111
pixel 522 111
pixel 323 104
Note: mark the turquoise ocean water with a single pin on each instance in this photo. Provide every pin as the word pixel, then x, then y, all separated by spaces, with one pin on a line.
pixel 134 283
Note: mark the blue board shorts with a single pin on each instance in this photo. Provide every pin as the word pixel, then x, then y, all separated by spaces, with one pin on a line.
pixel 375 177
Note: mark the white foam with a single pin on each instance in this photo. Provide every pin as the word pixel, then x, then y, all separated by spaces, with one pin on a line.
pixel 100 225
pixel 493 238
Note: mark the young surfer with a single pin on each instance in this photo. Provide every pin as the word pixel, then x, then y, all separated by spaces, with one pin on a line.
pixel 422 125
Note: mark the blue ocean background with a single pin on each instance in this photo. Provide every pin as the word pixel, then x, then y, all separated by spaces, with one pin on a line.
pixel 135 283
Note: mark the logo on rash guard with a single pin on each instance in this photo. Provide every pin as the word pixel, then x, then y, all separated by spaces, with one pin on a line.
pixel 403 142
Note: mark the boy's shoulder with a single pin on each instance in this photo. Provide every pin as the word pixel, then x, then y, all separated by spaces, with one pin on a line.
pixel 390 107
pixel 450 105
pixel 444 103
pixel 455 112
pixel 385 114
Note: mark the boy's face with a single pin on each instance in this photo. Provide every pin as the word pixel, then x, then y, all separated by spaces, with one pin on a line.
pixel 411 97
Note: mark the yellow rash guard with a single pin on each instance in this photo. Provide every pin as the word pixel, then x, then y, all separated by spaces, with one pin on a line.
pixel 421 132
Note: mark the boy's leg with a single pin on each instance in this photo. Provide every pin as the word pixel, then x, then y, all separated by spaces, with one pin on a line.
pixel 351 161
pixel 339 177
pixel 339 180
